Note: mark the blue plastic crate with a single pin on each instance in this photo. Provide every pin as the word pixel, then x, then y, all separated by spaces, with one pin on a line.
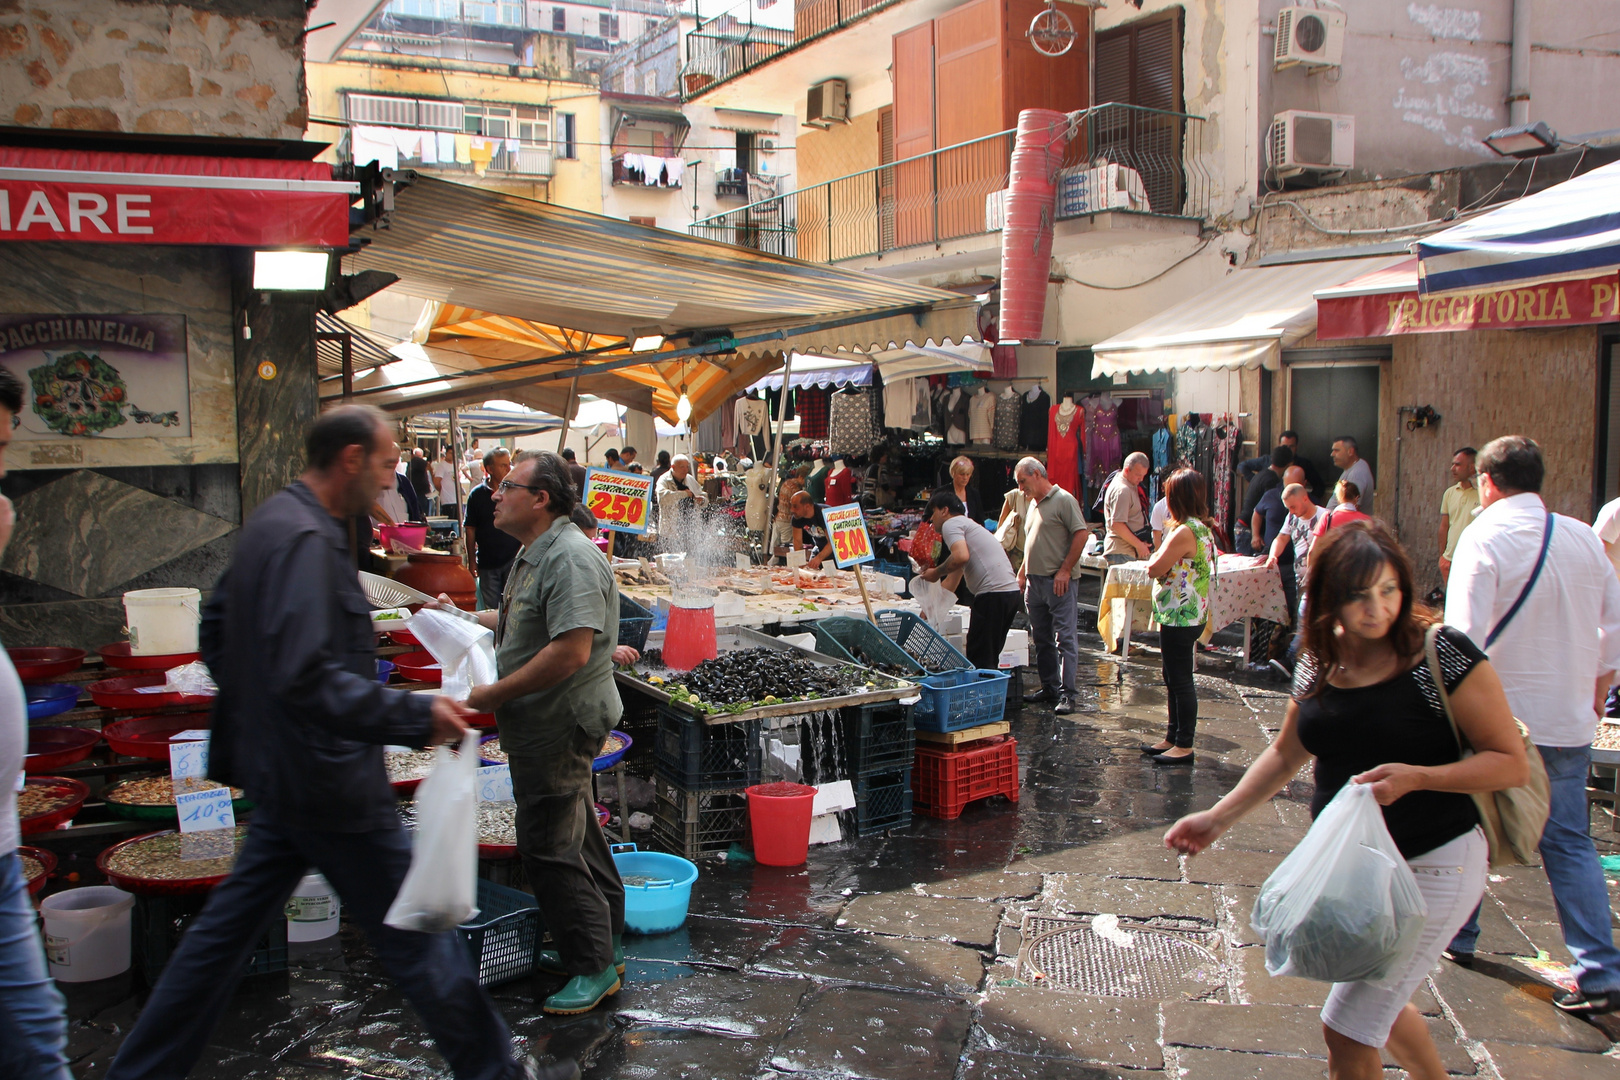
pixel 635 622
pixel 922 642
pixel 954 700
pixel 901 570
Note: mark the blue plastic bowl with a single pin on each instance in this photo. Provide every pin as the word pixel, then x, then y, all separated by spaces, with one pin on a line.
pixel 659 906
pixel 607 761
pixel 48 699
pixel 385 670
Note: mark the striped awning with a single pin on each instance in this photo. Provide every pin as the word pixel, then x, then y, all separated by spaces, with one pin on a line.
pixel 504 255
pixel 1570 230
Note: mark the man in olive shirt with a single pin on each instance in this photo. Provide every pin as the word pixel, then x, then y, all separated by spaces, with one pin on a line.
pixel 556 702
pixel 1126 531
pixel 1055 536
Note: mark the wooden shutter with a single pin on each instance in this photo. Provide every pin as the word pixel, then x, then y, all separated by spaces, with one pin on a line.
pixel 914 134
pixel 1140 64
pixel 885 179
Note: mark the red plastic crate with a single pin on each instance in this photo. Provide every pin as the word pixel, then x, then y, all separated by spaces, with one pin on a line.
pixel 945 781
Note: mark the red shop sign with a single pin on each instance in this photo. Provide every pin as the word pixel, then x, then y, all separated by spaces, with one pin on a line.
pixel 1560 303
pixel 166 199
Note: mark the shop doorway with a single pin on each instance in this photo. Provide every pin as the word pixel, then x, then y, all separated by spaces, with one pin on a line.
pixel 1328 400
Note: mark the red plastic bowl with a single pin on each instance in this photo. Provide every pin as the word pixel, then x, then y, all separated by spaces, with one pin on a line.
pixel 148 736
pixel 497 851
pixel 121 693
pixel 412 536
pixel 47 860
pixel 50 819
pixel 152 886
pixel 118 655
pixel 53 747
pixel 40 664
pixel 419 666
pixel 402 636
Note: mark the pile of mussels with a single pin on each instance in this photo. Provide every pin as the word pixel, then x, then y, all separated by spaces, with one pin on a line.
pixel 734 681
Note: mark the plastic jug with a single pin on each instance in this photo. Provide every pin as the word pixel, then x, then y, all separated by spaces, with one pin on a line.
pixel 313 910
pixel 689 639
pixel 162 622
pixel 87 933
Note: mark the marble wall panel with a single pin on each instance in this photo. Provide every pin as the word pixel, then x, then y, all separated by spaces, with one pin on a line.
pixel 76 624
pixel 154 279
pixel 272 414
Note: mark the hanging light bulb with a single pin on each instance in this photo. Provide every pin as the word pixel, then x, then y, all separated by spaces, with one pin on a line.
pixel 683 408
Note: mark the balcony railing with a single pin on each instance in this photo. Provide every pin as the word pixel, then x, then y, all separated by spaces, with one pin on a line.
pixel 529 159
pixel 1122 158
pixel 735 42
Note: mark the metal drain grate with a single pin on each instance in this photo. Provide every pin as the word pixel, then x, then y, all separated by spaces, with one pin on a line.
pixel 1131 961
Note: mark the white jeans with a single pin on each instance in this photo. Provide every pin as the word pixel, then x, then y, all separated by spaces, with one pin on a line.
pixel 1452 880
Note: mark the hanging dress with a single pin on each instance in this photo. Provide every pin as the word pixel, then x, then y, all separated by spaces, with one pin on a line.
pixel 1063 450
pixel 1032 420
pixel 1106 454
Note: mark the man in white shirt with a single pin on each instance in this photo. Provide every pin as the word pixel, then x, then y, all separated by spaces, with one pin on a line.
pixel 1552 627
pixel 1607 527
pixel 32 1013
pixel 444 478
pixel 1346 455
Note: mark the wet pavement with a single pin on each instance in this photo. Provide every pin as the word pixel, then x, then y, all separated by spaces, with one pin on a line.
pixel 898 956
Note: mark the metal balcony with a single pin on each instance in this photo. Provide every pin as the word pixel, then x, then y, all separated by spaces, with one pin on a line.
pixel 1122 159
pixel 730 44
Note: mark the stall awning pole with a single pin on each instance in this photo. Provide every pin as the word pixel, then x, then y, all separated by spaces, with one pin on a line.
pixel 776 459
pixel 455 469
pixel 568 413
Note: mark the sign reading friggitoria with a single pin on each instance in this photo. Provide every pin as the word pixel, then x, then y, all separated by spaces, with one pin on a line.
pixel 99 376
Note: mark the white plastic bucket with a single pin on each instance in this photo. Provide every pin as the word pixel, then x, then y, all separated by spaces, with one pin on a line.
pixel 87 933
pixel 163 622
pixel 313 910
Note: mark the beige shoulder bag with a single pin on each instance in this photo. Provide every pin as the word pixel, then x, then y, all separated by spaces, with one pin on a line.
pixel 1513 817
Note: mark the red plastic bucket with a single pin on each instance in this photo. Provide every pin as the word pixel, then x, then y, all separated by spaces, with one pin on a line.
pixel 780 817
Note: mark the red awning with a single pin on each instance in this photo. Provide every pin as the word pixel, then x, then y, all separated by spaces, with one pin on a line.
pixel 1386 302
pixel 109 198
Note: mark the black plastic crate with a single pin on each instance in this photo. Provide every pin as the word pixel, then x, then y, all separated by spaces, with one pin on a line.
pixel 640 710
pixel 635 622
pixel 878 738
pixel 883 802
pixel 707 757
pixel 157 922
pixel 696 823
pixel 1015 689
pixel 505 939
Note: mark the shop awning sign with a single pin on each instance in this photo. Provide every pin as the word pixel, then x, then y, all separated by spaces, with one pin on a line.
pixel 1577 302
pixel 846 531
pixel 106 198
pixel 618 499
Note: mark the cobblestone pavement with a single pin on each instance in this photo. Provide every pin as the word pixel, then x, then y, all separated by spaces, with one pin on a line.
pixel 898 956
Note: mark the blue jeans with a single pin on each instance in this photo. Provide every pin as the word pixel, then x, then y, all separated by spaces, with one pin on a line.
pixel 33 1018
pixel 1052 629
pixel 1576 876
pixel 491 584
pixel 366 868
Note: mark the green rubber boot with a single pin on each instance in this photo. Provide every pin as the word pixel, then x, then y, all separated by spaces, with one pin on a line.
pixel 583 993
pixel 551 963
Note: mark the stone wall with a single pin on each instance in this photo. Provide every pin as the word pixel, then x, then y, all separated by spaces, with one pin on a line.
pixel 214 67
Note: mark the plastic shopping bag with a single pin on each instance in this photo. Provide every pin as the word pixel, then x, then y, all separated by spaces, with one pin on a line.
pixel 437 893
pixel 1343 906
pixel 464 648
pixel 934 599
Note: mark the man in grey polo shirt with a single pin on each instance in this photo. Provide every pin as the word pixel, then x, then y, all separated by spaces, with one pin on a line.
pixel 1053 542
pixel 979 558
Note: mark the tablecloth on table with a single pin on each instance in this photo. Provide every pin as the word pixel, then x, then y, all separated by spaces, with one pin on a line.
pixel 1244 587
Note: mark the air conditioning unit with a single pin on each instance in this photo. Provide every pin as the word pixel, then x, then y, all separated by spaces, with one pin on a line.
pixel 766 146
pixel 1310 36
pixel 1312 142
pixel 827 104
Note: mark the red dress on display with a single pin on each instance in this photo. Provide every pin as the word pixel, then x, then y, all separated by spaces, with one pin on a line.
pixel 1063 445
pixel 840 488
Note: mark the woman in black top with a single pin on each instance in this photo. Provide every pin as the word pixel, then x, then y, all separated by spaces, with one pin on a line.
pixel 1366 708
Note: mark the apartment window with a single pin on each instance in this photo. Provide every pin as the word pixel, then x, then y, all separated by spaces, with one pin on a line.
pixel 533 124
pixel 565 135
pixel 609 25
pixel 651 223
pixel 745 152
pixel 1139 64
pixel 492 121
pixel 559 21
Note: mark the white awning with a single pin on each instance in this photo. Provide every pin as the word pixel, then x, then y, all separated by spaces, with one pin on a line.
pixel 1244 322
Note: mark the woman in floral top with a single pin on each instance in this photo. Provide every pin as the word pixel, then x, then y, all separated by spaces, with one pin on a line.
pixel 1183 568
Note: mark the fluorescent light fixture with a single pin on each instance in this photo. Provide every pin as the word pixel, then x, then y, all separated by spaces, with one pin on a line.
pixel 1526 140
pixel 683 409
pixel 295 271
pixel 647 342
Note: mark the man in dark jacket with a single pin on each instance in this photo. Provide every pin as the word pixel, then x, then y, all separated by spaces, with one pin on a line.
pixel 300 723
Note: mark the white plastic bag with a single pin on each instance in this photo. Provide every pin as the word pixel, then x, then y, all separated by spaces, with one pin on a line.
pixel 464 648
pixel 1343 906
pixel 934 599
pixel 438 890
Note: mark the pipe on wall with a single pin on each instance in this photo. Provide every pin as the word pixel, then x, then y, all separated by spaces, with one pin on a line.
pixel 1519 66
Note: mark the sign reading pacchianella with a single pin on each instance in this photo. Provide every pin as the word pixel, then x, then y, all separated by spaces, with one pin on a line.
pixel 99 376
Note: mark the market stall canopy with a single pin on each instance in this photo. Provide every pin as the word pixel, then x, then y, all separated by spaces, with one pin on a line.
pixel 1388 302
pixel 1245 321
pixel 1570 230
pixel 855 369
pixel 818 373
pixel 555 266
pixel 490 421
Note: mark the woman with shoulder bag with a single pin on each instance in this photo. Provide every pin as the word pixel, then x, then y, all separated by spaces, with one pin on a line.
pixel 1366 707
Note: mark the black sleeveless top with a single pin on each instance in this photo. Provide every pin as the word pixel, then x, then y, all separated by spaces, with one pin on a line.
pixel 1398 720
